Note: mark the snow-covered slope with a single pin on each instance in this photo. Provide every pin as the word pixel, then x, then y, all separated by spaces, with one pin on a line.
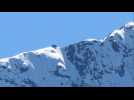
pixel 107 62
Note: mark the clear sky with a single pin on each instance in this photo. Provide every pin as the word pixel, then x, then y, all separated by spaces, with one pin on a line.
pixel 25 31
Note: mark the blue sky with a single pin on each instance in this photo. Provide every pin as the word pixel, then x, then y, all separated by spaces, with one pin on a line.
pixel 25 31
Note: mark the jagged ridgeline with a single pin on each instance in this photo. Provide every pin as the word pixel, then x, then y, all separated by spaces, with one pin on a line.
pixel 92 62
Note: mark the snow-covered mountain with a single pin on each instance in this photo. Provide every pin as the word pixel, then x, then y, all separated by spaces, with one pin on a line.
pixel 107 62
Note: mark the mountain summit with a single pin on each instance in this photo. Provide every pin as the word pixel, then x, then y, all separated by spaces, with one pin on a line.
pixel 92 62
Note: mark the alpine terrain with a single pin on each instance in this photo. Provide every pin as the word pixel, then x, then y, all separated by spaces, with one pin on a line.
pixel 90 63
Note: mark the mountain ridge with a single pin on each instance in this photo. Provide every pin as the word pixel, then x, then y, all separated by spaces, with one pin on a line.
pixel 92 62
